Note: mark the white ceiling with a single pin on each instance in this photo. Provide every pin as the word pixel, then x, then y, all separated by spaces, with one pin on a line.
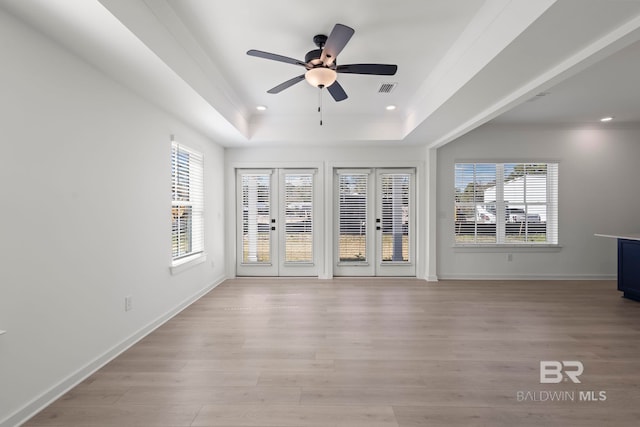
pixel 460 63
pixel 608 88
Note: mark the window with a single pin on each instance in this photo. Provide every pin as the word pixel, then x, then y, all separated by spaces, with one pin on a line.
pixel 506 203
pixel 187 204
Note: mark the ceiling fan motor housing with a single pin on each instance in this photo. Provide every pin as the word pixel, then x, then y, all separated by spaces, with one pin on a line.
pixel 313 55
pixel 312 58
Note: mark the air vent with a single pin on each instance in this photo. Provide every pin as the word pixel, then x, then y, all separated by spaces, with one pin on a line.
pixel 387 87
pixel 538 96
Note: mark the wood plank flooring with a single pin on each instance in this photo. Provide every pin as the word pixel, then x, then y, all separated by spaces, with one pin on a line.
pixel 373 352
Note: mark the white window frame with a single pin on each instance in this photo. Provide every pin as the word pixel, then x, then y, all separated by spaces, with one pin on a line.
pixel 194 201
pixel 500 207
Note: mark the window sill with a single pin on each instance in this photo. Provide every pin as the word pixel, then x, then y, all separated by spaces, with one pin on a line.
pixel 500 248
pixel 187 262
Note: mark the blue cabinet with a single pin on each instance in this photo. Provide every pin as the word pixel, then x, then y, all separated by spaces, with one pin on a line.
pixel 629 268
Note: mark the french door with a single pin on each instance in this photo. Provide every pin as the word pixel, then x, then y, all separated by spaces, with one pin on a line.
pixel 277 230
pixel 374 222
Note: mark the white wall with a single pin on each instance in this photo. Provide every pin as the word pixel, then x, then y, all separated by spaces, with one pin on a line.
pixel 353 154
pixel 598 179
pixel 325 159
pixel 85 219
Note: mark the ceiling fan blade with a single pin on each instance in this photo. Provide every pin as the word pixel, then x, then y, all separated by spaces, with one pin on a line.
pixel 274 57
pixel 287 84
pixel 377 69
pixel 337 92
pixel 339 37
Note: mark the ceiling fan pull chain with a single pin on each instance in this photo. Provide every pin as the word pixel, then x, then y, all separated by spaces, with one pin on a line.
pixel 320 104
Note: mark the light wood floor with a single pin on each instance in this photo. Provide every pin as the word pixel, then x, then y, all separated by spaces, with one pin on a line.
pixel 372 352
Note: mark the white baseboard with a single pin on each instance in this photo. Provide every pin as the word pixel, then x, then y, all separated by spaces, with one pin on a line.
pixel 475 276
pixel 45 399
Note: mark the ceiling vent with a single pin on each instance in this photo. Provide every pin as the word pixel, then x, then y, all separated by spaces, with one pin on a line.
pixel 387 87
pixel 538 96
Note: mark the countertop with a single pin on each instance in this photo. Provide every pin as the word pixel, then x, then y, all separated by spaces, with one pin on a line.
pixel 627 236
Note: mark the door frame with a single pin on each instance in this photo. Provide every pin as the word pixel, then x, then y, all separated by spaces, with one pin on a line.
pixel 392 268
pixel 277 265
pixel 373 265
pixel 366 267
pixel 257 269
pixel 304 268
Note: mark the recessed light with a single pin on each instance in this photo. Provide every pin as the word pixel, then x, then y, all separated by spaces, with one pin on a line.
pixel 606 119
pixel 390 107
pixel 261 108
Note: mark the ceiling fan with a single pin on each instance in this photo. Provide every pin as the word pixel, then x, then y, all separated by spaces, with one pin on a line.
pixel 321 64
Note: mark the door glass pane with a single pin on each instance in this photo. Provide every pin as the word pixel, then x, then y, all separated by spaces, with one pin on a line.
pixel 352 217
pixel 395 216
pixel 298 198
pixel 256 218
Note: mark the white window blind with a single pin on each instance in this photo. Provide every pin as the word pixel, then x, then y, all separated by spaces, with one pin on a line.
pixel 506 203
pixel 256 218
pixel 298 217
pixel 352 216
pixel 395 217
pixel 187 203
pixel 475 219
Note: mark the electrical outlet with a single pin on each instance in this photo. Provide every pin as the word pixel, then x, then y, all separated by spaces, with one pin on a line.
pixel 509 257
pixel 128 303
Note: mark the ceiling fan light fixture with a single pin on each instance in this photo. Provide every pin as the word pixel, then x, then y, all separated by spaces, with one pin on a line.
pixel 321 66
pixel 320 76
